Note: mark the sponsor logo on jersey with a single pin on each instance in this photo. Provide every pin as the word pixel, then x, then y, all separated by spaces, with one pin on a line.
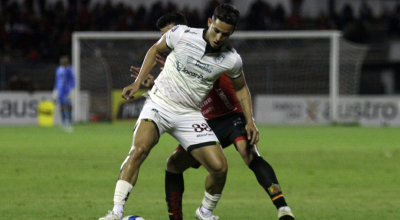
pixel 203 135
pixel 204 66
pixel 181 68
pixel 190 32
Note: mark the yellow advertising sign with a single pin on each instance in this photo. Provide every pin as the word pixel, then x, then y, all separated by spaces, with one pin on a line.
pixel 126 110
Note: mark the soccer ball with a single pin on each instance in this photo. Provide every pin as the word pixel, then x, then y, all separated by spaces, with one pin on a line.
pixel 132 217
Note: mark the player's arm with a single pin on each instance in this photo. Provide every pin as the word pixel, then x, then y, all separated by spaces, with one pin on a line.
pixel 148 64
pixel 149 81
pixel 244 98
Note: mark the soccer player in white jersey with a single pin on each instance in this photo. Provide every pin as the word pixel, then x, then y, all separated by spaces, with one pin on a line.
pixel 225 117
pixel 198 57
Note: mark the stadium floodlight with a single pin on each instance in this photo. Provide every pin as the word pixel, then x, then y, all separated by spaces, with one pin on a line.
pixel 274 62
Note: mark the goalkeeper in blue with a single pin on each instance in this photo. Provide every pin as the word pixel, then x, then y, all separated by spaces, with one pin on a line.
pixel 63 85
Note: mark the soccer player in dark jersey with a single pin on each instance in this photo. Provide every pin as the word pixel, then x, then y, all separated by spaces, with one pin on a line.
pixel 225 116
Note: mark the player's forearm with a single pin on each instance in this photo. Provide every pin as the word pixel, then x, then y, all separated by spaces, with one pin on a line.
pixel 244 99
pixel 148 64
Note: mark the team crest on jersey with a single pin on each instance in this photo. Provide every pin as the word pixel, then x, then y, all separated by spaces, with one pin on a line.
pixel 219 58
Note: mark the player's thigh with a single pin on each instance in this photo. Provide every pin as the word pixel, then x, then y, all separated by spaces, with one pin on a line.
pixel 247 152
pixel 197 138
pixel 64 101
pixel 145 135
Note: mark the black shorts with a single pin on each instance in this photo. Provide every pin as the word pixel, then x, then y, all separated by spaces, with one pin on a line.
pixel 229 129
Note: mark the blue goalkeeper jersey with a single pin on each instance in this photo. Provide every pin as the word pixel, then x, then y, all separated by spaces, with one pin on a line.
pixel 65 80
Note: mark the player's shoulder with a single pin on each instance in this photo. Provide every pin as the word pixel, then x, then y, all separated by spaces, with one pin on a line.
pixel 228 48
pixel 194 31
pixel 180 28
pixel 228 51
pixel 187 32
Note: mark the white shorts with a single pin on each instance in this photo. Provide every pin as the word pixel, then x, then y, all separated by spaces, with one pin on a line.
pixel 190 131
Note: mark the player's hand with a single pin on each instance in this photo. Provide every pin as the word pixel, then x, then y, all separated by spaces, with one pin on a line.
pixel 161 58
pixel 129 91
pixel 252 133
pixel 148 81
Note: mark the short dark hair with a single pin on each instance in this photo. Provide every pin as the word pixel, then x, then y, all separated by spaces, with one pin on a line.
pixel 227 13
pixel 171 18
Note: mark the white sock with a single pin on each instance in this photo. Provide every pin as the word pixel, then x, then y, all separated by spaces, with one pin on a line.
pixel 122 191
pixel 209 203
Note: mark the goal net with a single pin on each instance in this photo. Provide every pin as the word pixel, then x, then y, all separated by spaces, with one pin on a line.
pixel 275 63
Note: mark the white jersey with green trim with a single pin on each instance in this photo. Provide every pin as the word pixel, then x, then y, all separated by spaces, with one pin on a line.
pixel 191 69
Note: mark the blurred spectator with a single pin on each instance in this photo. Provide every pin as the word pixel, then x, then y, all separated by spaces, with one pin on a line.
pixel 209 11
pixel 171 7
pixel 28 84
pixel 193 17
pixel 278 17
pixel 365 13
pixel 84 17
pixel 322 21
pixel 156 12
pixel 33 54
pixel 259 17
pixel 296 6
pixel 3 3
pixel 334 21
pixel 346 16
pixel 294 22
pixel 142 24
pixel 356 31
pixel 394 22
pixel 14 83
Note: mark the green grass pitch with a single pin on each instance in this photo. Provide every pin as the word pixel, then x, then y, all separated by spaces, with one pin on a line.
pixel 327 173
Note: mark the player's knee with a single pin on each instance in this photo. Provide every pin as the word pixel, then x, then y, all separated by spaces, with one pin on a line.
pixel 219 170
pixel 245 152
pixel 173 165
pixel 140 151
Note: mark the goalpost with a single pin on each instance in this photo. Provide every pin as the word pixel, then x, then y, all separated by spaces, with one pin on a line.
pixel 274 62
